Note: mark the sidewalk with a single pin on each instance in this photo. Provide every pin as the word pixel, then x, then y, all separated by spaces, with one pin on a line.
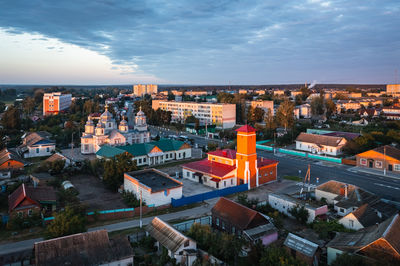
pixel 374 172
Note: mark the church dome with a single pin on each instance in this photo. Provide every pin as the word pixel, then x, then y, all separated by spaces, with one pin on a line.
pixel 106 115
pixel 100 125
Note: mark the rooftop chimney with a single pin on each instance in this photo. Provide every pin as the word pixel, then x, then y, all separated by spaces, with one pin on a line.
pixel 345 191
pixel 224 153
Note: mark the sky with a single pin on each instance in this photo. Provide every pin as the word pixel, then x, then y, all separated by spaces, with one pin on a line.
pixel 199 42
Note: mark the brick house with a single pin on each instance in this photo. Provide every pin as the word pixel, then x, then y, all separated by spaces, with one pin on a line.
pixel 234 218
pixel 384 157
pixel 26 200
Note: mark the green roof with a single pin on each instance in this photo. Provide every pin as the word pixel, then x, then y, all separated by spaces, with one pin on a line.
pixel 140 149
pixel 109 151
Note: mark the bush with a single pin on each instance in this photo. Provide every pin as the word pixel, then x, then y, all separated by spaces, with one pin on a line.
pixel 21 222
pixel 71 221
pixel 131 200
pixel 300 213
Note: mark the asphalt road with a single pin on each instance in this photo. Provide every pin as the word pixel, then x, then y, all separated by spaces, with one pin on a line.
pixel 200 140
pixel 386 187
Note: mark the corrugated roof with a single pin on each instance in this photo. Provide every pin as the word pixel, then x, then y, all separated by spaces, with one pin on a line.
pixel 238 215
pixel 167 235
pixel 90 248
pixel 301 245
pixel 320 139
pixel 109 151
pixel 6 155
pixel 210 168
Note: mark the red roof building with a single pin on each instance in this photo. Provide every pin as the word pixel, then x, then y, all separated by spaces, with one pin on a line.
pixel 26 199
pixel 227 167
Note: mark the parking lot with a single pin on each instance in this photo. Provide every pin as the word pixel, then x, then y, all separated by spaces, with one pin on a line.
pixel 95 195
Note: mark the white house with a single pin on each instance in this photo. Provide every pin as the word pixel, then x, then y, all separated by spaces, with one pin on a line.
pixel 153 186
pixel 283 203
pixel 179 246
pixel 320 144
pixel 37 144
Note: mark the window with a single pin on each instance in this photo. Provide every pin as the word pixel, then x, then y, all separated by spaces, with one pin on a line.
pixel 224 183
pixel 86 147
pixel 47 149
pixel 351 223
pixel 144 159
pixel 37 150
pixel 186 243
pixel 140 160
pixel 166 156
pixel 231 181
pixel 188 174
pixel 217 221
pixel 270 173
pixel 397 167
pixel 378 164
pixel 363 161
pixel 29 212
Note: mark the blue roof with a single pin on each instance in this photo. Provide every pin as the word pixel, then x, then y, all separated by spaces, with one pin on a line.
pixel 43 142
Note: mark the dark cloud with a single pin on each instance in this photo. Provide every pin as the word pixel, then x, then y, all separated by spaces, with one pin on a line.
pixel 226 41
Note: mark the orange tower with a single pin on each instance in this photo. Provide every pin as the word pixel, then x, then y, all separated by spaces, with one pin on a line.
pixel 246 156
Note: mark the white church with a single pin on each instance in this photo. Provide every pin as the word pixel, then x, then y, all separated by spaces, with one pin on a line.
pixel 108 132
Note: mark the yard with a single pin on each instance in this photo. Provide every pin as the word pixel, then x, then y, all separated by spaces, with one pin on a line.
pixel 95 195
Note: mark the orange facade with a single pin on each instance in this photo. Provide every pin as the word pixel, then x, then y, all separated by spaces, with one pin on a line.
pixel 246 158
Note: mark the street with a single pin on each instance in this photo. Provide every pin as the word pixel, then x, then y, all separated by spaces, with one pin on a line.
pixel 200 140
pixel 385 187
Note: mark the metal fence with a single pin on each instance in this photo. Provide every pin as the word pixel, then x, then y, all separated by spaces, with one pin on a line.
pixel 185 226
pixel 208 195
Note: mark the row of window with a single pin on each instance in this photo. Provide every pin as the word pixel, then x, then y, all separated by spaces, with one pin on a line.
pixel 38 150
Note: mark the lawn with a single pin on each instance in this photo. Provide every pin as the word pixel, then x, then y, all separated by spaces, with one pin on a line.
pixel 293 178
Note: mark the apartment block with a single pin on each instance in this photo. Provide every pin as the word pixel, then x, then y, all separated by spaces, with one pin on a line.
pixel 265 105
pixel 393 89
pixel 140 90
pixel 55 102
pixel 221 115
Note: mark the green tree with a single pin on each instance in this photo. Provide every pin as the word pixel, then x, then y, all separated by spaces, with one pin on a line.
pixel 269 120
pixel 11 118
pixel 70 221
pixel 300 213
pixel 317 106
pixel 284 114
pixel 278 256
pixel 171 96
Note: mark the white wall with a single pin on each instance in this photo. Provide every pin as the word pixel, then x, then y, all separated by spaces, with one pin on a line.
pixel 156 198
pixel 319 194
pixel 350 222
pixel 332 254
pixel 42 150
pixel 312 148
pixel 192 245
pixel 284 206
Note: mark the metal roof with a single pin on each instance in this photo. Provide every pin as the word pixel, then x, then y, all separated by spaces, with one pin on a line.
pixel 301 245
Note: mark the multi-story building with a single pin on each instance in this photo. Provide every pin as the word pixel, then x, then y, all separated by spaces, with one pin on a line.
pixel 140 90
pixel 392 113
pixel 265 105
pixel 393 89
pixel 55 102
pixel 220 114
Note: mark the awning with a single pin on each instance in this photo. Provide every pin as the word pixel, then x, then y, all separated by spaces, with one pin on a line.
pixel 154 154
pixel 216 180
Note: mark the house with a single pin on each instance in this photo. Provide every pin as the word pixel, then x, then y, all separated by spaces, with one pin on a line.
pixel 320 144
pixel 384 158
pixel 378 242
pixel 151 153
pixel 58 156
pixel 36 144
pixel 227 168
pixel 89 248
pixel 370 113
pixel 347 198
pixel 234 218
pixel 284 203
pixel 391 112
pixel 153 186
pixel 40 178
pixel 344 105
pixel 179 246
pixel 26 200
pixel 302 111
pixel 362 122
pixel 302 249
pixel 9 160
pixel 362 217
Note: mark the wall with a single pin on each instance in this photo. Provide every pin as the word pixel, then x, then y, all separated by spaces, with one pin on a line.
pixel 208 195
pixel 332 254
pixel 32 151
pixel 13 165
pixel 346 222
pixel 323 194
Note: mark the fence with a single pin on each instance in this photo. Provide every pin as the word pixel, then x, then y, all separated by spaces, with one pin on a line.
pixel 325 158
pixel 349 162
pixel 185 226
pixel 208 195
pixel 291 152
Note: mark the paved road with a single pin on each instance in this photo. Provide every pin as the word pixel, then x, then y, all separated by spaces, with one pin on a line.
pixel 385 187
pixel 200 140
pixel 185 214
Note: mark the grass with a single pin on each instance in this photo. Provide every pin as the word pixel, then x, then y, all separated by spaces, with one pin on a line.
pixel 292 177
pixel 6 236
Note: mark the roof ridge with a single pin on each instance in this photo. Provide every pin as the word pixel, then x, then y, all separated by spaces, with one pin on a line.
pixel 390 225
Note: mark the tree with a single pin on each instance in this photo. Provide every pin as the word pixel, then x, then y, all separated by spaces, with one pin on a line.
pixel 348 260
pixel 330 107
pixel 171 96
pixel 284 114
pixel 278 256
pixel 71 221
pixel 298 100
pixel 258 114
pixel 300 213
pixel 115 168
pixel 269 120
pixel 317 106
pixel 191 119
pixel 11 118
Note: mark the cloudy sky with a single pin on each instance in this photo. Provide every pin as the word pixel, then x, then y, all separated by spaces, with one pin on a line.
pixel 199 42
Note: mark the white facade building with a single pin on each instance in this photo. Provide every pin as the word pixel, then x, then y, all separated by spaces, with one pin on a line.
pixel 220 114
pixel 320 144
pixel 154 187
pixel 108 132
